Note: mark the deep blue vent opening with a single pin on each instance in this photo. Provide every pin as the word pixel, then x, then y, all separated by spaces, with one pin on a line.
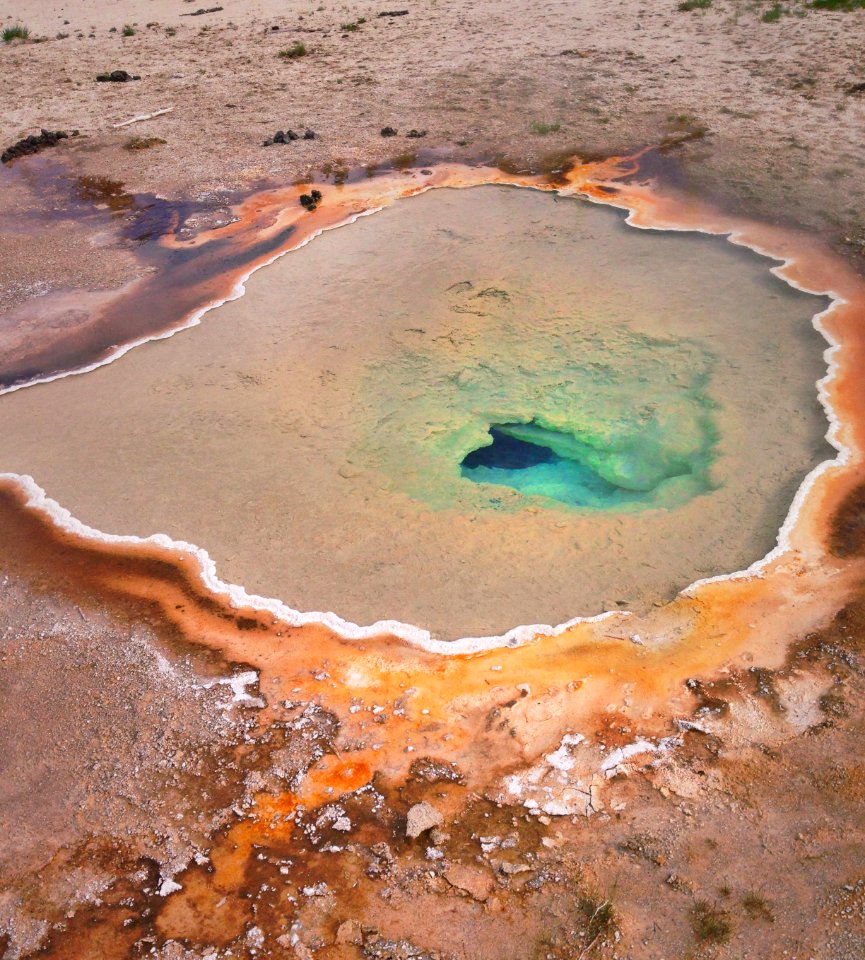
pixel 539 462
pixel 508 453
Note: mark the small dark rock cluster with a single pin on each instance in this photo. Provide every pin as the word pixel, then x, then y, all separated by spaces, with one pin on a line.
pixel 394 13
pixel 34 143
pixel 286 136
pixel 412 134
pixel 310 200
pixel 115 76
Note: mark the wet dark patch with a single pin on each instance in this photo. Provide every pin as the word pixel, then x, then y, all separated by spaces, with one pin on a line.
pixel 847 534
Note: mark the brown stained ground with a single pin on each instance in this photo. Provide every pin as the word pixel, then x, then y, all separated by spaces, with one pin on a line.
pixel 754 821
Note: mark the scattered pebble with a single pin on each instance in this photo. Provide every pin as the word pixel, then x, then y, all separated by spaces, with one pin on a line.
pixel 422 817
pixel 349 931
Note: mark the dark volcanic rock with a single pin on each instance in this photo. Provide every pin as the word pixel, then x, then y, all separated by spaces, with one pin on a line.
pixel 116 76
pixel 388 132
pixel 34 143
pixel 282 136
pixel 416 134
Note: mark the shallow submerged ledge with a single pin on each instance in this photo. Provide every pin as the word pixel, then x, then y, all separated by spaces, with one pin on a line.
pixel 803 264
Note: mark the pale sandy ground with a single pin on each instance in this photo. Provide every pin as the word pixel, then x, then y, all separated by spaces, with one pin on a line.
pixel 782 133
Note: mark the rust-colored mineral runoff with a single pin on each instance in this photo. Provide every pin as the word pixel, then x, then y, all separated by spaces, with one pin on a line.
pixel 377 789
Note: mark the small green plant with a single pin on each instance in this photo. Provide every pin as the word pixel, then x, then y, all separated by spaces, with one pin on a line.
pixel 599 918
pixel 294 52
pixel 16 32
pixel 687 5
pixel 128 31
pixel 170 31
pixel 710 924
pixel 349 27
pixel 542 129
pixel 757 908
pixel 601 921
pixel 774 13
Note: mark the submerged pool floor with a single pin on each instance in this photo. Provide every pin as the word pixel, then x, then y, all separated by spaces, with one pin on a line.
pixel 473 410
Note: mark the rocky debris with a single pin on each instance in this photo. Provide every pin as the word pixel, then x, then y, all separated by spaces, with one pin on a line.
pixel 394 13
pixel 477 883
pixel 115 76
pixel 382 859
pixel 422 817
pixel 319 889
pixel 376 947
pixel 388 132
pixel 281 136
pixel 428 770
pixel 34 143
pixel 288 136
pixel 438 836
pixel 349 931
pixel 310 200
pixel 416 134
